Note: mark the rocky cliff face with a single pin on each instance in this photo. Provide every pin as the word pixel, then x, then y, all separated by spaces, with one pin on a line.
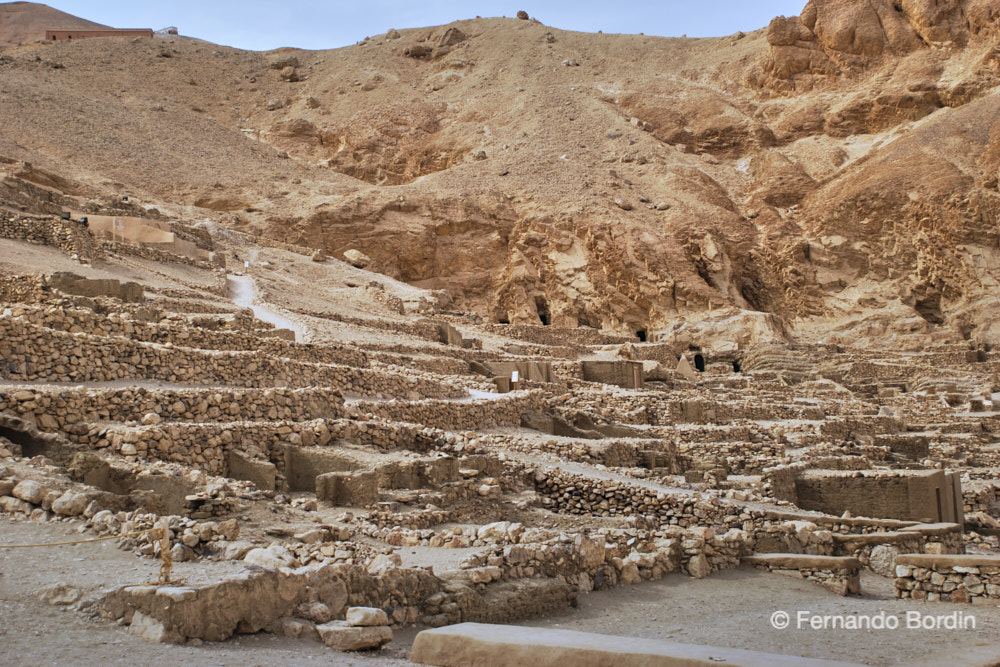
pixel 833 176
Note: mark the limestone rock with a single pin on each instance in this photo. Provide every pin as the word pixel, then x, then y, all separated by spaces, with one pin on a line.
pixel 293 628
pixel 30 491
pixel 274 556
pixel 149 628
pixel 699 567
pixel 61 594
pixel 357 258
pixel 882 560
pixel 70 503
pixel 366 616
pixel 317 612
pixel 340 636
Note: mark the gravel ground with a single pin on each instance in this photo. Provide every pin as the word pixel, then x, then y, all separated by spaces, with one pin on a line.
pixel 733 608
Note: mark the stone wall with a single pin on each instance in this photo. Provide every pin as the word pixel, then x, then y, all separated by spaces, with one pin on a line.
pixel 153 254
pixel 458 415
pixel 69 236
pixel 61 410
pixel 70 283
pixel 573 494
pixel 950 578
pixel 29 352
pixel 23 289
pixel 204 333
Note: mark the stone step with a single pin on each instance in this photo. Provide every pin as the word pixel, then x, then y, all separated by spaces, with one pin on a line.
pixel 510 646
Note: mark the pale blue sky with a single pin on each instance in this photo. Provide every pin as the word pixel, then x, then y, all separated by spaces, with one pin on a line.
pixel 313 24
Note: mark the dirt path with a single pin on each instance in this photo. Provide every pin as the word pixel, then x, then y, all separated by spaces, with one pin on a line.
pixel 243 293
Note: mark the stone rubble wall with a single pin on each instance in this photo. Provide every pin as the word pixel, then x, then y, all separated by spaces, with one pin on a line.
pixel 554 336
pixel 741 458
pixel 457 415
pixel 657 409
pixel 69 236
pixel 569 493
pixel 968 578
pixel 62 410
pixel 207 445
pixel 23 289
pixel 186 333
pixel 153 254
pixel 29 352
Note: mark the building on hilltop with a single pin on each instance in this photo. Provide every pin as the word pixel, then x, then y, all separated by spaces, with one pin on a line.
pixel 66 34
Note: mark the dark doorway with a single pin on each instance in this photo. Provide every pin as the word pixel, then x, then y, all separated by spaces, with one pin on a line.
pixel 543 310
pixel 30 446
pixel 641 335
pixel 736 366
pixel 699 363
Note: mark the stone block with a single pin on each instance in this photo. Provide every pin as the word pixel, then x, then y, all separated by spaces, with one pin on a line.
pixel 340 636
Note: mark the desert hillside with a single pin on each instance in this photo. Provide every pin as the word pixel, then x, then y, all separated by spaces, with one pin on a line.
pixel 23 22
pixel 831 177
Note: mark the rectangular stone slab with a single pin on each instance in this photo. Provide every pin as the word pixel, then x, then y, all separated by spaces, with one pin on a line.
pixel 936 561
pixel 471 644
pixel 804 561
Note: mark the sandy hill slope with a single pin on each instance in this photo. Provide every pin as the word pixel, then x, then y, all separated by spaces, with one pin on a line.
pixel 23 22
pixel 833 176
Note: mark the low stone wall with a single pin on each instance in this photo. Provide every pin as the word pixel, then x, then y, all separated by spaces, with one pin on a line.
pixel 741 458
pixel 60 410
pixel 23 289
pixel 879 551
pixel 840 575
pixel 200 333
pixel 457 415
pixel 554 336
pixel 208 445
pixel 962 578
pixel 29 353
pixel 574 494
pixel 69 236
pixel 151 253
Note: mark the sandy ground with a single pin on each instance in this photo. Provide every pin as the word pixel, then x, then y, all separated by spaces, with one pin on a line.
pixel 733 609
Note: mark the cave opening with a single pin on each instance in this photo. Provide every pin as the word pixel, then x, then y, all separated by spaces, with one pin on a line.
pixel 929 308
pixel 699 363
pixel 737 367
pixel 542 307
pixel 641 335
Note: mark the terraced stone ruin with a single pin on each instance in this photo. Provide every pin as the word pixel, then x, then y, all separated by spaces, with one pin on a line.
pixel 372 383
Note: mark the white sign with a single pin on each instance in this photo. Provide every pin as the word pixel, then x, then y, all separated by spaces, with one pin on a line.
pixel 246 264
pixel 514 376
